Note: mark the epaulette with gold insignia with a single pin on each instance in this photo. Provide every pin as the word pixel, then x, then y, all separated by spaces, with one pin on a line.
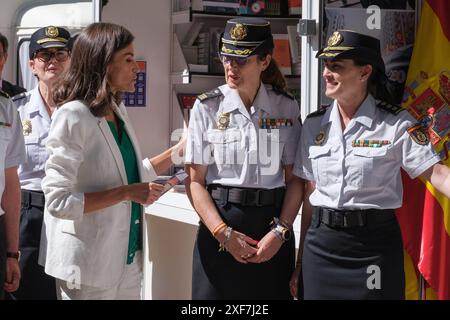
pixel 19 96
pixel 319 112
pixel 4 94
pixel 418 134
pixel 210 94
pixel 283 92
pixel 391 108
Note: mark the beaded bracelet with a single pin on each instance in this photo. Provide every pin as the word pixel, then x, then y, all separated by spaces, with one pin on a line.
pixel 222 246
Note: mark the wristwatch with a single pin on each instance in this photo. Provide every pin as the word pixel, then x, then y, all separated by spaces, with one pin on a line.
pixel 14 255
pixel 281 231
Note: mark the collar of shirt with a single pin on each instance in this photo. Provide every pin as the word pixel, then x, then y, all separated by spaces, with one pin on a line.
pixel 233 101
pixel 364 115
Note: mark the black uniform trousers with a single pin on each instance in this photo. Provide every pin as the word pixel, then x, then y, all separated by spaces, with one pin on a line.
pixel 362 262
pixel 217 275
pixel 2 255
pixel 35 284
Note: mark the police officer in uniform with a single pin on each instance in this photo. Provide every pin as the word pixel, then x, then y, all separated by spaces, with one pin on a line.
pixel 240 152
pixel 12 153
pixel 6 86
pixel 351 153
pixel 49 57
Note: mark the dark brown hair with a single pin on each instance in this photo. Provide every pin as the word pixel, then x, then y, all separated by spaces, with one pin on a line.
pixel 272 75
pixel 378 84
pixel 86 78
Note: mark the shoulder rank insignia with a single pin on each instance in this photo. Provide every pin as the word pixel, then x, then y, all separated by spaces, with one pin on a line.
pixel 210 94
pixel 27 127
pixel 19 96
pixel 4 94
pixel 283 92
pixel 320 112
pixel 418 134
pixel 391 108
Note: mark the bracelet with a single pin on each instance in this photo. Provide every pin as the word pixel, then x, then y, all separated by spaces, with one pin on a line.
pixel 218 228
pixel 222 246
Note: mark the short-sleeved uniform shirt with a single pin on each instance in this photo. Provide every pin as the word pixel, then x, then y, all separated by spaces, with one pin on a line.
pixel 244 148
pixel 12 149
pixel 36 125
pixel 359 168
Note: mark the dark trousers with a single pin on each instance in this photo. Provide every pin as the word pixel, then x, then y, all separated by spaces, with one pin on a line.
pixel 217 275
pixel 2 255
pixel 35 284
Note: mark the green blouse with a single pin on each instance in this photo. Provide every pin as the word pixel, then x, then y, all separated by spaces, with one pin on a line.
pixel 131 168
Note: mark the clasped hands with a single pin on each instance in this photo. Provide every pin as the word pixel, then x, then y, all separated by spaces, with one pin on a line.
pixel 245 249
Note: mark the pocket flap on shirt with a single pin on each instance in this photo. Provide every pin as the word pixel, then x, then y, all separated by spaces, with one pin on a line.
pixel 318 151
pixel 370 152
pixel 224 136
pixel 31 139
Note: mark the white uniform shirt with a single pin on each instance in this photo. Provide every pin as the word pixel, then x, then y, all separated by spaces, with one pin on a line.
pixel 32 111
pixel 360 177
pixel 243 154
pixel 12 150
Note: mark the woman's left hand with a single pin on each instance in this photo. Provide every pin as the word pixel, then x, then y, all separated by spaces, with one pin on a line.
pixel 268 246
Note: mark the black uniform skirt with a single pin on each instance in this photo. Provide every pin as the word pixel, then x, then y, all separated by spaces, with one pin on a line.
pixel 217 275
pixel 353 263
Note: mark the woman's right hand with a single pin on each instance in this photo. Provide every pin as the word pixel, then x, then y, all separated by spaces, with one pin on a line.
pixel 144 193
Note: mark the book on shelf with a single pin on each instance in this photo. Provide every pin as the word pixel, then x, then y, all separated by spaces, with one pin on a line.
pixel 272 8
pixel 252 7
pixel 281 53
pixel 295 7
pixel 221 6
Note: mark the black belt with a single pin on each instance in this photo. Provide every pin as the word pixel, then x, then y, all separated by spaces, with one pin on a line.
pixel 32 199
pixel 247 196
pixel 352 218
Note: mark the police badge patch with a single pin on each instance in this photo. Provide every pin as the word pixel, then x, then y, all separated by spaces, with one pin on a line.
pixel 224 121
pixel 27 127
pixel 418 134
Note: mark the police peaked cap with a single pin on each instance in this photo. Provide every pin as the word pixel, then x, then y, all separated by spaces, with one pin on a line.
pixel 244 37
pixel 48 37
pixel 347 44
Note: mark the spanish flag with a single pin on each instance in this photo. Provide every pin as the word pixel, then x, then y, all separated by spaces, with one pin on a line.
pixel 425 215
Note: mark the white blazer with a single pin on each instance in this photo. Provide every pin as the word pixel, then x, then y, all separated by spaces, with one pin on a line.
pixel 88 249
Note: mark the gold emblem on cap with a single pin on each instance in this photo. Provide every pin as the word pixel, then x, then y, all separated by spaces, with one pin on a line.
pixel 335 39
pixel 52 32
pixel 26 127
pixel 320 138
pixel 224 121
pixel 238 32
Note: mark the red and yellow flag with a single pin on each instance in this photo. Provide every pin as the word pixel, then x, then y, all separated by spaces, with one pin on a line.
pixel 425 215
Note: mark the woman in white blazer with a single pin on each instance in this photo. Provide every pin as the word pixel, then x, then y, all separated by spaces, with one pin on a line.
pixel 95 184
